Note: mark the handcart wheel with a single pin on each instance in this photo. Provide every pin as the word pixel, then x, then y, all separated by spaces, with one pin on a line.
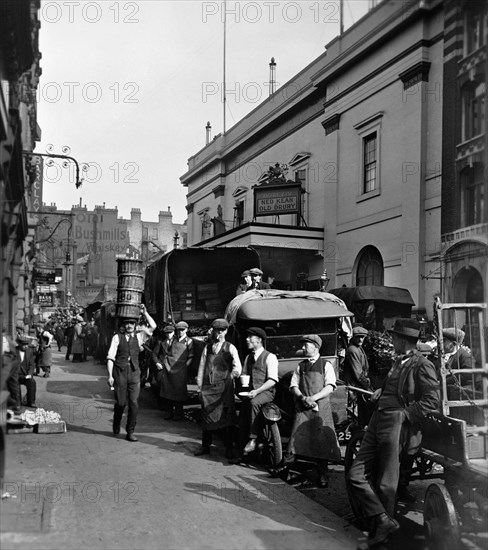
pixel 271 452
pixel 440 518
pixel 352 450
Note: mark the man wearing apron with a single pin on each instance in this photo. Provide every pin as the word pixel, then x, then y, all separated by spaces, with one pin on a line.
pixel 313 433
pixel 173 357
pixel 219 365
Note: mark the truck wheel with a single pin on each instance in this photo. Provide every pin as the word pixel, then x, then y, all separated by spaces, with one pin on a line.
pixel 271 452
pixel 440 518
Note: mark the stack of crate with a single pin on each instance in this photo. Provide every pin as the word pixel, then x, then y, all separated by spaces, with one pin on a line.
pixel 183 299
pixel 208 294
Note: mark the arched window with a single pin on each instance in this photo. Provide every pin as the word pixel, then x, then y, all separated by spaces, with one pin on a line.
pixel 370 268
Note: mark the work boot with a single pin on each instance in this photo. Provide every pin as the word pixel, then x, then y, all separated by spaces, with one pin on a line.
pixel 404 495
pixel 116 427
pixel 202 451
pixel 131 437
pixel 251 446
pixel 383 527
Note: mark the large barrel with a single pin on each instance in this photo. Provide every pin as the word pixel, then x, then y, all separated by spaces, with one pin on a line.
pixel 129 287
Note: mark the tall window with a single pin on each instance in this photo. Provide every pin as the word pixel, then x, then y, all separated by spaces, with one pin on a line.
pixel 301 176
pixel 474 108
pixel 369 162
pixel 239 213
pixel 370 268
pixel 476 27
pixel 473 197
pixel 155 233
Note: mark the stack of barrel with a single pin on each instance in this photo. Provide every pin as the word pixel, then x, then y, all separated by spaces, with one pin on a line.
pixel 129 288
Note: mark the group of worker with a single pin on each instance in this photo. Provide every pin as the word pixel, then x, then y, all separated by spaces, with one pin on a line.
pixel 252 279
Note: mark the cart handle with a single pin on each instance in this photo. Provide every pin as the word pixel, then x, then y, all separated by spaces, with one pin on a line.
pixel 353 388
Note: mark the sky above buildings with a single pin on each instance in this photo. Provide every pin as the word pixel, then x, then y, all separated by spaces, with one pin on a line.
pixel 129 87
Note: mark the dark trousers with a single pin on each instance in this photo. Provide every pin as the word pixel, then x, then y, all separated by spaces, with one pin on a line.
pixel 30 385
pixel 373 476
pixel 127 386
pixel 227 435
pixel 13 387
pixel 68 349
pixel 249 421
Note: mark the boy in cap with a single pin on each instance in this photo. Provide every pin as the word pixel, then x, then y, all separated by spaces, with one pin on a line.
pixel 262 366
pixel 410 391
pixel 245 283
pixel 173 357
pixel 256 282
pixel 313 432
pixel 356 373
pixel 219 366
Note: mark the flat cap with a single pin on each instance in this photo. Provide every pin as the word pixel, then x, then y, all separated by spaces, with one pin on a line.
pixel 313 339
pixel 220 323
pixel 257 331
pixel 410 328
pixel 454 334
pixel 255 271
pixel 245 273
pixel 128 320
pixel 79 318
pixel 181 324
pixel 359 331
pixel 169 328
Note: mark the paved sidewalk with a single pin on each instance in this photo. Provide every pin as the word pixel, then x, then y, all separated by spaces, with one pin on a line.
pixel 89 489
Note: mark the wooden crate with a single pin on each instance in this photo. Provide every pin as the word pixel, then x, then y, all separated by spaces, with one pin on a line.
pixel 193 315
pixel 50 428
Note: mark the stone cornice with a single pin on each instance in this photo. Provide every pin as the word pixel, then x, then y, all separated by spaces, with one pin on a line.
pixel 331 124
pixel 415 74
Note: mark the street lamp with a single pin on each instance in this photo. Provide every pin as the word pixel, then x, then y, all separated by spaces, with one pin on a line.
pixel 176 240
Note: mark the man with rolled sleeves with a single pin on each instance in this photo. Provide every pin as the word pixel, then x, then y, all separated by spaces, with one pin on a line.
pixel 219 366
pixel 262 366
pixel 124 374
pixel 410 391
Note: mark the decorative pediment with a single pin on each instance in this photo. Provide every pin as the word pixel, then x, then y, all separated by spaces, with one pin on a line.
pixel 241 190
pixel 298 158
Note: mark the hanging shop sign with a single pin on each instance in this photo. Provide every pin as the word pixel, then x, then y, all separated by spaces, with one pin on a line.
pixel 274 200
pixel 45 299
pixel 44 276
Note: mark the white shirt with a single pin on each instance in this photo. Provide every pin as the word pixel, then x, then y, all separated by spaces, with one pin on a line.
pixel 271 364
pixel 112 352
pixel 236 362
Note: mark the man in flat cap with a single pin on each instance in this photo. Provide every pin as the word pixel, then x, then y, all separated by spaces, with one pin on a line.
pixel 219 367
pixel 256 279
pixel 21 373
pixel 262 366
pixel 124 374
pixel 173 357
pixel 313 432
pixel 245 283
pixel 410 391
pixel 356 373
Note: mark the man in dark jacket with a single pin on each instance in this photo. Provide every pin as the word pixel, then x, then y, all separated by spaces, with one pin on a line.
pixel 456 357
pixel 22 373
pixel 256 282
pixel 409 392
pixel 356 373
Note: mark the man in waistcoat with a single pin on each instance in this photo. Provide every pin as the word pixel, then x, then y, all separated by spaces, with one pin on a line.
pixel 262 367
pixel 219 366
pixel 410 391
pixel 124 374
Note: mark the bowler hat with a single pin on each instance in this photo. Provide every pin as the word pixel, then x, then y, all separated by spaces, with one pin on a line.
pixel 23 340
pixel 169 328
pixel 359 331
pixel 454 334
pixel 181 324
pixel 409 328
pixel 313 339
pixel 220 323
pixel 257 331
pixel 255 271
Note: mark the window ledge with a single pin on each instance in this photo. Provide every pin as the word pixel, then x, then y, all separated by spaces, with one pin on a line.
pixel 368 195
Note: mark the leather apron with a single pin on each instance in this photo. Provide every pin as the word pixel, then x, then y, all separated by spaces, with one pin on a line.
pixel 313 434
pixel 218 403
pixel 174 373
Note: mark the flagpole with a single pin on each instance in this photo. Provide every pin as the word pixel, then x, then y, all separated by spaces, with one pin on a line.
pixel 224 95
